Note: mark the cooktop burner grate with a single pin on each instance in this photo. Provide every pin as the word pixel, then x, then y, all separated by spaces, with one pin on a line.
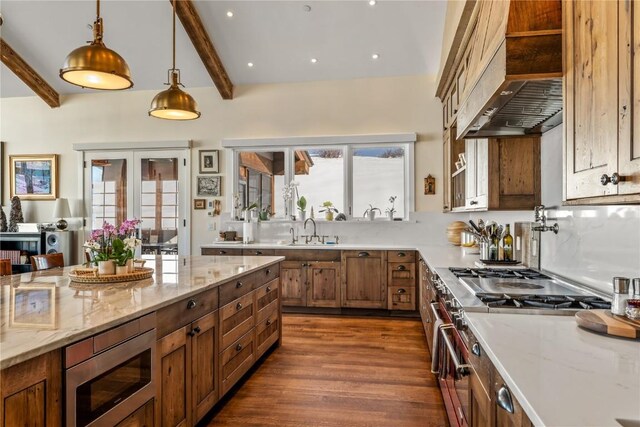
pixel 500 273
pixel 554 302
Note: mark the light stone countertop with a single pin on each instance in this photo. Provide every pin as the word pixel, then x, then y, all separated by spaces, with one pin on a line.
pixel 42 311
pixel 561 374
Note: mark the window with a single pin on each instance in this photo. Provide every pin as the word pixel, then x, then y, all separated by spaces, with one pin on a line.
pixel 353 172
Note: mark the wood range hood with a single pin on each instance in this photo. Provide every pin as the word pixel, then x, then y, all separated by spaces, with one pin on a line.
pixel 518 89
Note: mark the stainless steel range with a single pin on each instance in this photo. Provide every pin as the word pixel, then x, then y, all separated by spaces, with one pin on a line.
pixel 533 292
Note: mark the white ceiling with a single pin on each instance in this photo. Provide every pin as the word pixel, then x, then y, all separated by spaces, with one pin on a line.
pixel 279 37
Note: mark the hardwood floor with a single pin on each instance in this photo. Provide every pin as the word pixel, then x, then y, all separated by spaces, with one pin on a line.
pixel 340 371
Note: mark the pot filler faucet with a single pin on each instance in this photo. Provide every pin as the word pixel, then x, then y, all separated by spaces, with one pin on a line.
pixel 541 218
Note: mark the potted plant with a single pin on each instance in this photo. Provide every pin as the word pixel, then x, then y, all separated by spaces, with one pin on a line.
pixel 371 213
pixel 264 213
pixel 247 210
pixel 302 207
pixel 112 249
pixel 328 210
pixel 392 210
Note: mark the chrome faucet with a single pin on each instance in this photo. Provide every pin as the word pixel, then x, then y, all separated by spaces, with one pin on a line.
pixel 294 240
pixel 309 239
pixel 541 218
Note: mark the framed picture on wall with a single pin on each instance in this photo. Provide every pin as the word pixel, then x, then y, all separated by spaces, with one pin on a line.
pixel 209 161
pixel 34 177
pixel 209 186
pixel 199 203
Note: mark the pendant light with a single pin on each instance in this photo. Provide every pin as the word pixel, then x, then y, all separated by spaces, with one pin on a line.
pixel 174 103
pixel 95 66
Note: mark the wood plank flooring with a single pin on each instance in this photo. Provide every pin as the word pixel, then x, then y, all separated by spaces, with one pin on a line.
pixel 341 371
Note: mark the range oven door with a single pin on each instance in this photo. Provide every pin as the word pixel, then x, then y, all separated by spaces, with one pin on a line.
pixel 454 375
pixel 106 388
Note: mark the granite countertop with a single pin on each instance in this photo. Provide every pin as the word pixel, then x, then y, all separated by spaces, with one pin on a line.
pixel 561 374
pixel 302 246
pixel 42 311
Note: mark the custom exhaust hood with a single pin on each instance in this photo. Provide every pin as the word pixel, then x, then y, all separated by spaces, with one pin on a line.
pixel 519 90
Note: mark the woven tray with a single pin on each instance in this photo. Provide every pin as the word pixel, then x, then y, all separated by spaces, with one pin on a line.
pixel 90 275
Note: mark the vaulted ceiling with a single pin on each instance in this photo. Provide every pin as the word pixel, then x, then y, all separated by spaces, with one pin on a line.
pixel 279 37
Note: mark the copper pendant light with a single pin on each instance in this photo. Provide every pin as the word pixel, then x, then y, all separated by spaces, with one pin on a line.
pixel 96 66
pixel 174 103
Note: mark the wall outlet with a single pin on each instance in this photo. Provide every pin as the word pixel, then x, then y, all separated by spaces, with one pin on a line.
pixel 211 226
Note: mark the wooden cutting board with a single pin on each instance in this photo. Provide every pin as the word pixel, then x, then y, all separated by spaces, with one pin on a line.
pixel 604 322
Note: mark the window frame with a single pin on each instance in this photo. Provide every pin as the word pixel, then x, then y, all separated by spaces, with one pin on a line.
pixel 348 144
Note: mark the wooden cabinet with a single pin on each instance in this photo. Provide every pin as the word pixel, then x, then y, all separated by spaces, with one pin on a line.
pixel 294 289
pixel 507 409
pixel 364 279
pixel 268 326
pixel 221 251
pixel 323 284
pixel 187 371
pixel 502 173
pixel 602 130
pixel 142 417
pixel 31 392
pixel 479 402
pixel 401 280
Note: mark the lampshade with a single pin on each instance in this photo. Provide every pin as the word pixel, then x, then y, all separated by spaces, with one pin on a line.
pixel 61 209
pixel 96 66
pixel 174 103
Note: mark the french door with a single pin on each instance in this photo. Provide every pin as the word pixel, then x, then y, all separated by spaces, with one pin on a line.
pixel 150 185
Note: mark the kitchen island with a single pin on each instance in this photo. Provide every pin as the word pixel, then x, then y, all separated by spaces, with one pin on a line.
pixel 208 311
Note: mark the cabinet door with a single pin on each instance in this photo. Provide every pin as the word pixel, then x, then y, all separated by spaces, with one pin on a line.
pixel 142 417
pixel 294 290
pixel 173 397
pixel 446 167
pixel 479 402
pixel 591 107
pixel 629 144
pixel 204 363
pixel 515 417
pixel 323 284
pixel 364 279
pixel 31 392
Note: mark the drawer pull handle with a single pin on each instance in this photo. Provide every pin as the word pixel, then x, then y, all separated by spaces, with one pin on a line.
pixel 363 254
pixel 239 347
pixel 402 291
pixel 268 288
pixel 195 331
pixel 268 322
pixel 268 272
pixel 504 399
pixel 239 306
pixel 402 268
pixel 191 304
pixel 475 349
pixel 238 285
pixel 222 252
pixel 401 254
pixel 258 252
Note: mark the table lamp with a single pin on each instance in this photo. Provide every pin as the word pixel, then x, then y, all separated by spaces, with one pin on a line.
pixel 61 211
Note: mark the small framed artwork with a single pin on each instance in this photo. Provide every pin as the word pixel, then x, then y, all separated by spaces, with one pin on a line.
pixel 430 185
pixel 199 203
pixel 34 177
pixel 209 161
pixel 33 306
pixel 209 186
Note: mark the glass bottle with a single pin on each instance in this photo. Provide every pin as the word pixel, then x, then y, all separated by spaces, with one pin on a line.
pixel 493 248
pixel 620 295
pixel 507 244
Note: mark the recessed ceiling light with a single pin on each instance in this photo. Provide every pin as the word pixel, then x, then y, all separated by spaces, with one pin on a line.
pixel 375 56
pixel 372 2
pixel 250 64
pixel 229 14
pixel 314 60
pixel 306 8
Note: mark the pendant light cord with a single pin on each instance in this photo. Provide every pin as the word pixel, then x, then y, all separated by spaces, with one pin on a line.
pixel 97 9
pixel 174 35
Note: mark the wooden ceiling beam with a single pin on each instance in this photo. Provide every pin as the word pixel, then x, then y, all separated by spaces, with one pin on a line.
pixel 200 38
pixel 28 75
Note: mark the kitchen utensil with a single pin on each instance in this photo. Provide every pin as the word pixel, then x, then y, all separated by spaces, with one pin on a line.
pixel 602 321
pixel 475 227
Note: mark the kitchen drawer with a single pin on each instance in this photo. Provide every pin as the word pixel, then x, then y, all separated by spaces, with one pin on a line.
pixel 309 254
pixel 266 275
pixel 401 256
pixel 401 273
pixel 221 251
pixel 258 252
pixel 230 291
pixel 401 298
pixel 267 299
pixel 236 360
pixel 267 332
pixel 236 319
pixel 479 359
pixel 185 311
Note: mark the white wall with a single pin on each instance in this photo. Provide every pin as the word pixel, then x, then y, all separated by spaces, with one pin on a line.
pixel 381 105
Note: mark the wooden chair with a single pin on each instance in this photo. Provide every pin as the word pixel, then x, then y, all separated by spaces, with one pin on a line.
pixel 45 262
pixel 5 267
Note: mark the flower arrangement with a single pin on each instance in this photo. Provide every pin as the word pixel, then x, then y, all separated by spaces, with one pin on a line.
pixel 114 244
pixel 392 210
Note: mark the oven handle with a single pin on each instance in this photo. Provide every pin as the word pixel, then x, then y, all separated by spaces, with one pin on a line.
pixel 434 309
pixel 461 369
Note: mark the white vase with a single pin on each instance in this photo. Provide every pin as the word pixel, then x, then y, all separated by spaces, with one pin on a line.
pixel 372 215
pixel 303 215
pixel 390 215
pixel 130 267
pixel 122 269
pixel 106 267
